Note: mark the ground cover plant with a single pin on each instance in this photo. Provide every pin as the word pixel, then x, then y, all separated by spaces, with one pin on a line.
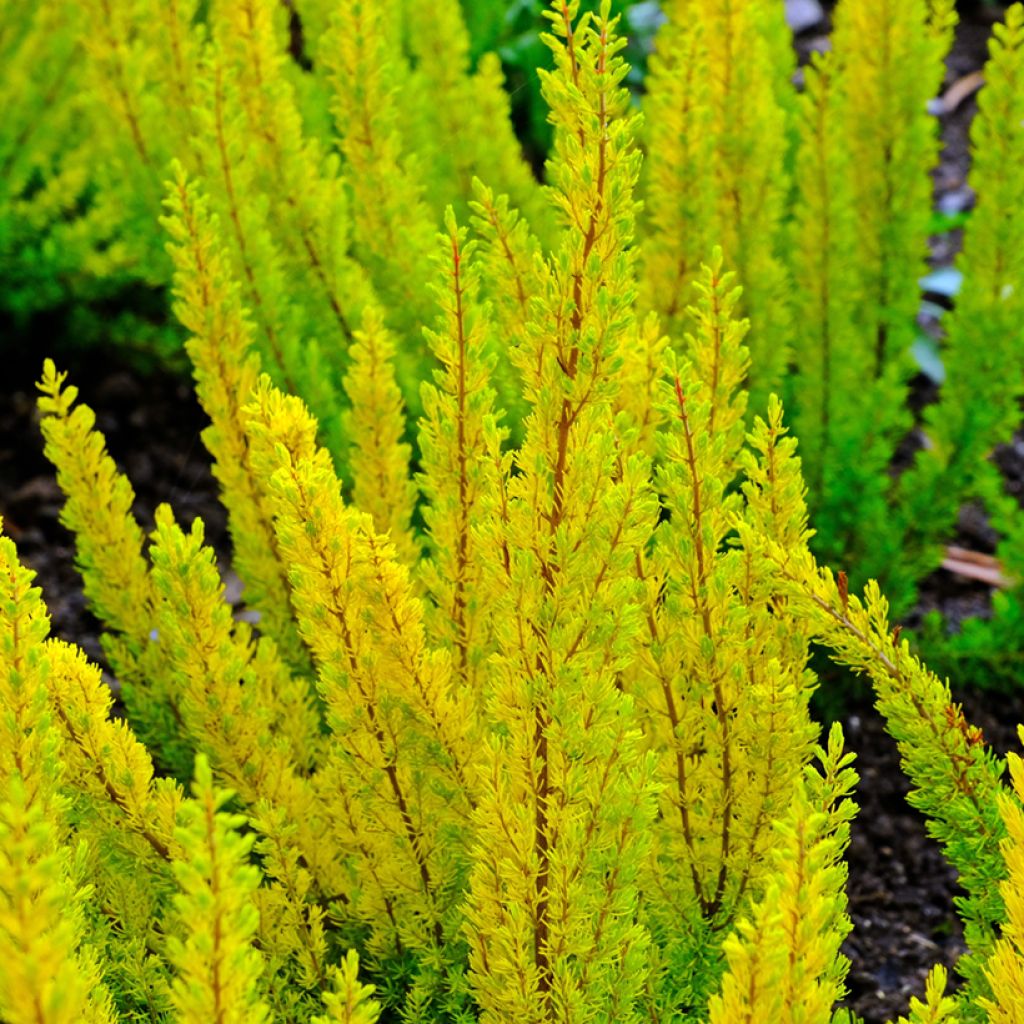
pixel 516 723
pixel 329 142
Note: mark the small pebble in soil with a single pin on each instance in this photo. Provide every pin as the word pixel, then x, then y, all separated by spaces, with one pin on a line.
pixel 804 14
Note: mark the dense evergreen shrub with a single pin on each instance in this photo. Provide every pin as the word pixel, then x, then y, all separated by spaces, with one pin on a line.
pixel 329 140
pixel 515 723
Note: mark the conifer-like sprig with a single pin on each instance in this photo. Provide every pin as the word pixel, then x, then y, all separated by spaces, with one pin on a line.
pixel 375 425
pixel 717 170
pixel 242 708
pixel 107 762
pixel 956 776
pixel 566 792
pixel 104 783
pixel 677 118
pixel 723 779
pixel 891 60
pixel 385 691
pixel 226 368
pixel 350 1002
pixel 173 36
pixel 216 965
pixel 1005 967
pixel 829 352
pixel 290 166
pixel 257 259
pixel 46 975
pixel 295 182
pixel 698 461
pixel 456 476
pixel 115 574
pixel 233 693
pixel 392 222
pixel 45 978
pixel 937 1007
pixel 592 174
pixel 784 960
pixel 109 548
pixel 28 746
pixel 512 273
pixel 459 116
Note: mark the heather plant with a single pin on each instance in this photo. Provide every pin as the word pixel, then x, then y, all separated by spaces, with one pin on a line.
pixel 985 335
pixel 978 402
pixel 521 735
pixel 328 141
pixel 512 30
pixel 251 108
pixel 722 135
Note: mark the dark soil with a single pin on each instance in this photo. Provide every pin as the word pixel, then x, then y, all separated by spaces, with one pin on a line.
pixel 901 889
pixel 152 425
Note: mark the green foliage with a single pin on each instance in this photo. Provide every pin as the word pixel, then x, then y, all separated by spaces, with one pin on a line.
pixel 866 146
pixel 839 205
pixel 217 967
pixel 512 31
pixel 328 141
pixel 717 144
pixel 984 340
pixel 956 777
pixel 524 733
